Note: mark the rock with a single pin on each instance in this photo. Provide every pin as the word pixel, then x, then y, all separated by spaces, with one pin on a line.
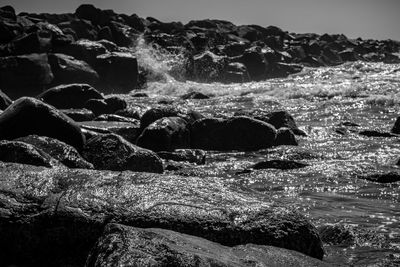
pixel 27 116
pixel 69 95
pixel 374 133
pixel 67 70
pixel 60 151
pixel 112 152
pixel 5 101
pixel 115 103
pixel 35 42
pixel 396 126
pixel 79 114
pixel 165 134
pixel 52 217
pixel 123 245
pixel 390 177
pixel 139 94
pixel 97 106
pixel 208 67
pixel 255 63
pixel 196 156
pixel 283 70
pixel 19 152
pixel 95 15
pixel 236 133
pixel 279 164
pixel 116 118
pixel 83 29
pixel 154 114
pixel 118 72
pixel 25 75
pixel 195 95
pixel 128 130
pixel 285 136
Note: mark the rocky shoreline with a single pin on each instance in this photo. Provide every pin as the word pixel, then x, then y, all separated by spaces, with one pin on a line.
pixel 81 170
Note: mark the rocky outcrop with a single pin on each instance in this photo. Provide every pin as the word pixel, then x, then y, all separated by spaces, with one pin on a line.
pixel 54 216
pixel 27 116
pixel 123 245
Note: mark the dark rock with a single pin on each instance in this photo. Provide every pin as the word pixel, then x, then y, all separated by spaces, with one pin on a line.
pixel 97 106
pixel 235 72
pixel 154 114
pixel 27 116
pixel 128 130
pixel 24 75
pixel 349 55
pixel 115 103
pixel 67 69
pixel 124 245
pixel 195 95
pixel 118 72
pixel 19 152
pixel 83 29
pixel 36 42
pixel 60 151
pixel 134 21
pixel 374 133
pixel 255 63
pixel 197 156
pixel 165 134
pixel 139 94
pixel 95 15
pixel 390 177
pixel 9 30
pixel 282 70
pixel 285 136
pixel 396 126
pixel 116 118
pixel 52 217
pixel 5 101
pixel 112 152
pixel 349 124
pixel 79 114
pixel 129 112
pixel 237 133
pixel 69 95
pixel 279 164
pixel 208 67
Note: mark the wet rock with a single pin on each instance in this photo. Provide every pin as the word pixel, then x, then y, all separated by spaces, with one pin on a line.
pixel 139 94
pixel 237 133
pixel 130 112
pixel 390 177
pixel 97 106
pixel 283 70
pixel 95 15
pixel 285 136
pixel 116 118
pixel 24 75
pixel 19 152
pixel 27 116
pixel 255 63
pixel 118 72
pixel 279 164
pixel 123 245
pixel 236 72
pixel 60 151
pixel 165 134
pixel 54 216
pixel 154 114
pixel 79 114
pixel 82 29
pixel 115 103
pixel 396 126
pixel 374 133
pixel 69 95
pixel 195 95
pixel 197 156
pixel 112 152
pixel 208 67
pixel 35 42
pixel 349 124
pixel 5 101
pixel 67 70
pixel 128 130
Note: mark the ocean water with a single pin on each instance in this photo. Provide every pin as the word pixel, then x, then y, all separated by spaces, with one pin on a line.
pixel 328 190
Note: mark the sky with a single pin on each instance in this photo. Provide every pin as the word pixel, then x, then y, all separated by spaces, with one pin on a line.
pixel 377 19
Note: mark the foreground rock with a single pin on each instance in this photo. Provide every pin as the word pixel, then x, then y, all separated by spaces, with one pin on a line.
pixel 390 177
pixel 122 245
pixel 54 216
pixel 62 152
pixel 128 130
pixel 112 152
pixel 28 116
pixel 237 133
pixel 5 101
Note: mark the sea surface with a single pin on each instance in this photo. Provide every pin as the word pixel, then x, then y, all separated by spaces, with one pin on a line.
pixel 320 99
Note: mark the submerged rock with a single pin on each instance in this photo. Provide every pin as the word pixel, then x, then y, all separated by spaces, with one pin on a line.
pixel 122 245
pixel 197 156
pixel 279 164
pixel 236 133
pixel 285 136
pixel 112 152
pixel 396 126
pixel 374 133
pixel 28 116
pixel 62 152
pixel 54 216
pixel 390 177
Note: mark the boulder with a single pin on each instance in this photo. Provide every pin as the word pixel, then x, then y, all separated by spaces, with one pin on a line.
pixel 112 152
pixel 25 75
pixel 128 130
pixel 52 217
pixel 196 156
pixel 19 152
pixel 389 177
pixel 208 67
pixel 106 106
pixel 67 69
pixel 95 15
pixel 83 29
pixel 60 151
pixel 118 72
pixel 123 245
pixel 35 42
pixel 285 136
pixel 396 126
pixel 236 133
pixel 69 96
pixel 27 116
pixel 79 114
pixel 5 101
pixel 255 63
pixel 165 134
